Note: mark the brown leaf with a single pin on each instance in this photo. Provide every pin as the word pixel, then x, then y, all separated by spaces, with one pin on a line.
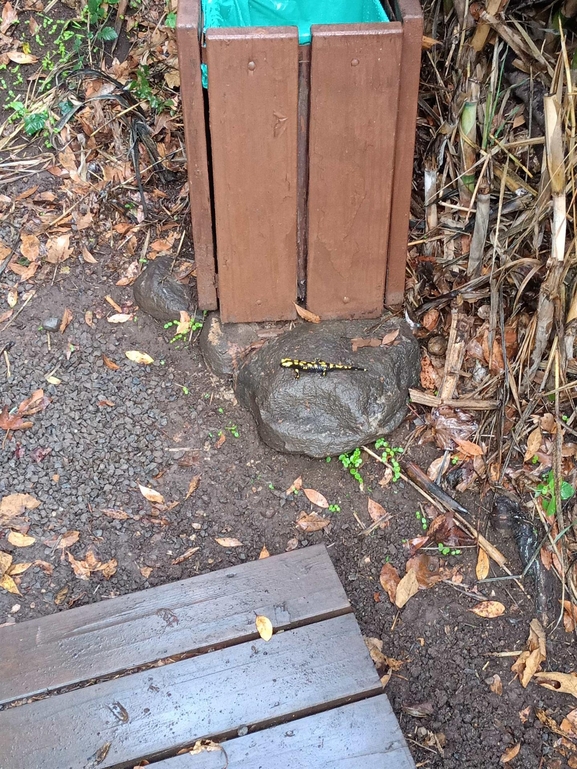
pixel 5 562
pixel 429 377
pixel 192 486
pixel 14 505
pixel 469 449
pixel 220 441
pixel 358 342
pixel 264 553
pixel 264 627
pixel 316 498
pixel 428 569
pixel 406 589
pixel 7 583
pixel 569 616
pixel 139 357
pixel 12 421
pixel 495 684
pixel 488 609
pixel 130 274
pixel 20 540
pixel 151 495
pixel 19 57
pixel 559 682
pixel 110 363
pixel 307 314
pixel 375 647
pixel 58 249
pixel 295 486
pixel 89 318
pixel 390 337
pixel 117 515
pixel 87 256
pixel 108 569
pixel 228 542
pixel 482 568
pixel 510 753
pixel 185 556
pixel 66 318
pixel 35 403
pixel 68 539
pixel 45 566
pixel 378 513
pixel 30 247
pixel 146 571
pixel 80 568
pixel 183 326
pixel 430 319
pixel 312 522
pixel 18 568
pixel 9 17
pixel 389 579
pixel 534 442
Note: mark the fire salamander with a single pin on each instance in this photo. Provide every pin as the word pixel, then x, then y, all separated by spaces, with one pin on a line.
pixel 316 366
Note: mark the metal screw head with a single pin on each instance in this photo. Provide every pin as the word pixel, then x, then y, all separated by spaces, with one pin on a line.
pixel 354 62
pixel 251 65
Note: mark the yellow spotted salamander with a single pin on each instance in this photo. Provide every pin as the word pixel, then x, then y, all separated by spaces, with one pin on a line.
pixel 316 366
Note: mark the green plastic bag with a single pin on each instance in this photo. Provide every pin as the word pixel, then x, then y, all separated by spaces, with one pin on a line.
pixel 290 13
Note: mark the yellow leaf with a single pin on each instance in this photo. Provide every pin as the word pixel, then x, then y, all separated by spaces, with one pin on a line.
pixel 316 498
pixel 120 317
pixel 307 314
pixel 18 568
pixel 264 553
pixel 488 609
pixel 228 542
pixel 5 562
pixel 482 568
pixel 139 357
pixel 533 444
pixel 20 540
pixel 510 753
pixel 151 495
pixel 7 583
pixel 264 627
pixel 192 486
pixel 15 504
pixel 183 324
pixel 406 588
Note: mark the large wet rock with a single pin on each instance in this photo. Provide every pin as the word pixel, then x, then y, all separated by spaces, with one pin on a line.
pixel 158 294
pixel 224 345
pixel 326 415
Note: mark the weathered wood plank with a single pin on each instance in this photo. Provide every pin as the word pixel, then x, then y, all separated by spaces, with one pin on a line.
pixel 145 715
pixel 213 609
pixel 253 100
pixel 410 12
pixel 362 735
pixel 187 38
pixel 354 92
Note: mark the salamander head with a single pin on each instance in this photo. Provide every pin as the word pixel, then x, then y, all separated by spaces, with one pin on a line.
pixel 287 362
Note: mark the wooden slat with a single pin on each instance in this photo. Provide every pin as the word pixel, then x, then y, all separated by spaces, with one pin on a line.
pixel 354 91
pixel 412 16
pixel 149 714
pixel 213 609
pixel 253 94
pixel 362 735
pixel 187 37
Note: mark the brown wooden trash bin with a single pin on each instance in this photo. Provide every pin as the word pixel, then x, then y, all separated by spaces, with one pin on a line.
pixel 300 162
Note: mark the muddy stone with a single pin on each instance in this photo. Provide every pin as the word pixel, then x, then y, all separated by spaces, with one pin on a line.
pixel 224 345
pixel 326 415
pixel 158 294
pixel 51 324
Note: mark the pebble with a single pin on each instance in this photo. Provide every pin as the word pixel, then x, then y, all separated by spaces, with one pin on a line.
pixel 51 324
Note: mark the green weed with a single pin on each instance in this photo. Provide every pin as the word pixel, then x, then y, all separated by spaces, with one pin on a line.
pixel 546 490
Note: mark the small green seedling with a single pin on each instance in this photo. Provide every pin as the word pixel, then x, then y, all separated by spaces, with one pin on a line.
pixel 546 490
pixel 193 326
pixel 233 430
pixel 351 462
pixel 422 519
pixel 389 455
pixel 334 509
pixel 445 550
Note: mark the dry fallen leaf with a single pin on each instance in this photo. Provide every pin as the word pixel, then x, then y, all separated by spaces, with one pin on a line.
pixel 358 342
pixel 108 569
pixel 559 682
pixel 534 442
pixel 151 495
pixel 117 515
pixel 185 556
pixel 87 256
pixel 488 609
pixel 228 542
pixel 375 647
pixel 9 17
pixel 390 337
pixel 468 448
pixel 146 571
pixel 378 513
pixel 495 684
pixel 7 583
pixel 430 319
pixel 110 363
pixel 65 322
pixel 19 57
pixel 264 627
pixel 316 498
pixel 529 661
pixel 80 568
pixel 295 486
pixel 482 568
pixel 389 579
pixel 68 539
pixel 20 540
pixel 5 562
pixel 312 522
pixel 292 544
pixel 58 249
pixel 120 317
pixel 192 486
pixel 406 588
pixel 12 297
pixel 15 504
pixel 139 357
pixel 264 553
pixel 183 326
pixel 307 314
pixel 510 753
pixel 18 568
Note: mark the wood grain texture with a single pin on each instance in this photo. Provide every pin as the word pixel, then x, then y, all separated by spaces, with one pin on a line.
pixel 149 714
pixel 187 38
pixel 362 735
pixel 412 18
pixel 253 101
pixel 215 609
pixel 355 72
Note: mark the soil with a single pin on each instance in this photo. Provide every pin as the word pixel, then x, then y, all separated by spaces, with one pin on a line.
pixel 105 431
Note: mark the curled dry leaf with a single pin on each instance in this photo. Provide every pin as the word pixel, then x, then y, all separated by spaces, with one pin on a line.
pixel 15 504
pixel 430 319
pixel 117 515
pixel 559 682
pixel 65 322
pixel 183 326
pixel 295 486
pixel 482 568
pixel 264 627
pixel 529 661
pixel 264 553
pixel 139 357
pixel 307 314
pixel 312 522
pixel 488 609
pixel 192 486
pixel 87 256
pixel 228 542
pixel 80 568
pixel 375 647
pixel 110 363
pixel 151 495
pixel 68 539
pixel 58 249
pixel 378 513
pixel 5 562
pixel 534 442
pixel 19 57
pixel 429 376
pixel 406 588
pixel 8 584
pixel 495 684
pixel 510 753
pixel 20 540
pixel 9 17
pixel 120 317
pixel 316 498
pixel 389 579
pixel 185 556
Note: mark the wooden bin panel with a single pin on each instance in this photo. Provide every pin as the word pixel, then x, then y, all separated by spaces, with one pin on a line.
pixel 355 72
pixel 253 100
pixel 187 36
pixel 412 16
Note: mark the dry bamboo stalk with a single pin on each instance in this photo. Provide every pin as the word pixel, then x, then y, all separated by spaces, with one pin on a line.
pixel 432 216
pixel 468 137
pixel 458 338
pixel 477 248
pixel 493 7
pixel 433 401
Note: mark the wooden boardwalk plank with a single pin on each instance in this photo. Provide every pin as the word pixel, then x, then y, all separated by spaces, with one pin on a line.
pixel 148 714
pixel 213 609
pixel 354 92
pixel 253 94
pixel 362 735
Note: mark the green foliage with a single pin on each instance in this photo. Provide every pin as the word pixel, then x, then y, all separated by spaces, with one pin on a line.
pixel 546 490
pixel 170 20
pixel 445 550
pixel 234 431
pixel 351 462
pixel 35 122
pixel 194 325
pixel 334 509
pixel 106 33
pixel 142 89
pixel 389 455
pixel 422 519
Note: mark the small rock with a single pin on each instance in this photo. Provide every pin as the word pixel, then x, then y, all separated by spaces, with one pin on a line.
pixel 158 294
pixel 324 416
pixel 51 324
pixel 224 345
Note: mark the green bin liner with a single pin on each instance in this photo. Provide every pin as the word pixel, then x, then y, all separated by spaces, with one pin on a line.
pixel 290 13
